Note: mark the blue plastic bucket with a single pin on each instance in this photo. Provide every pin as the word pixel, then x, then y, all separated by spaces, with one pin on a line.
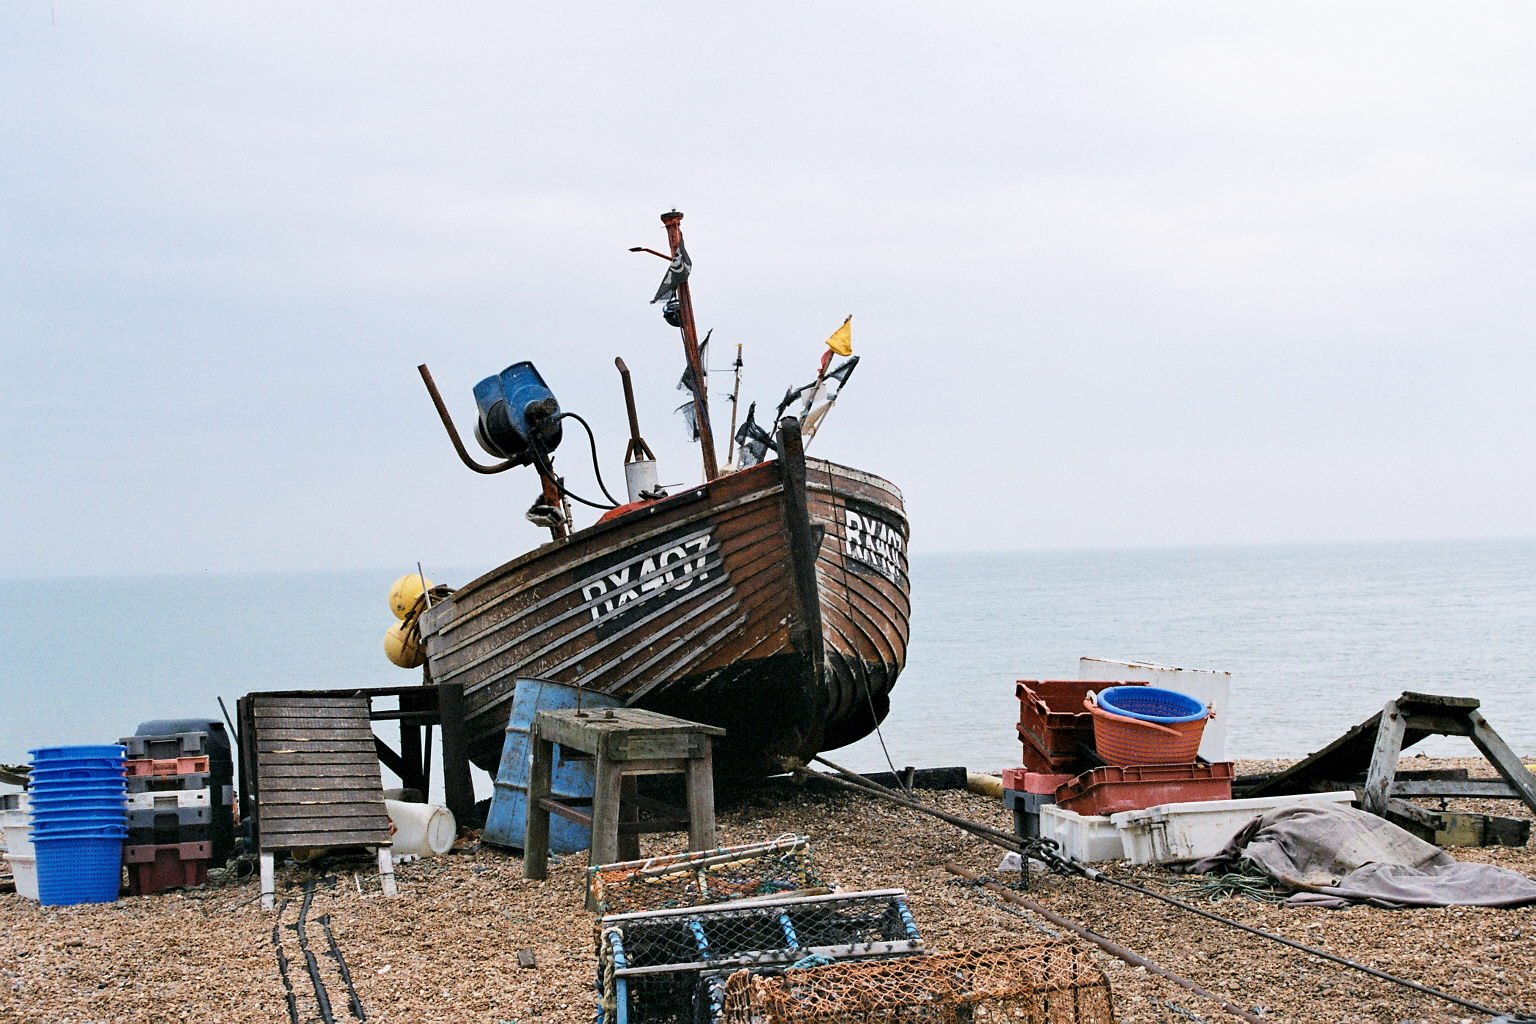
pixel 42 755
pixel 78 869
pixel 507 821
pixel 1151 704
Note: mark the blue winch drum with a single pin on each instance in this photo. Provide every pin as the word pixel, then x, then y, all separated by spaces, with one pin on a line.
pixel 1151 704
pixel 572 779
pixel 516 407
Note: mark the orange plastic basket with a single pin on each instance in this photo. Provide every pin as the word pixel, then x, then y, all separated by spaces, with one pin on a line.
pixel 1122 741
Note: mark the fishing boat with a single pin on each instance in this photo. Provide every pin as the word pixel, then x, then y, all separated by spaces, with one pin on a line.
pixel 772 599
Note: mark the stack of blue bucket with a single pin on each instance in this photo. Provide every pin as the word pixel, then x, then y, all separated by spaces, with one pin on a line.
pixel 79 822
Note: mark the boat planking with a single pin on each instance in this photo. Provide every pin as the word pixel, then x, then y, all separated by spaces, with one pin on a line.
pixel 772 601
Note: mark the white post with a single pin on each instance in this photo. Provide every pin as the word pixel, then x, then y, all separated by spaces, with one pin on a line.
pixel 387 871
pixel 268 881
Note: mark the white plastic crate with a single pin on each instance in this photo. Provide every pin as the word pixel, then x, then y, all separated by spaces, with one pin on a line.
pixel 24 870
pixel 168 800
pixel 15 825
pixel 1175 833
pixel 1089 838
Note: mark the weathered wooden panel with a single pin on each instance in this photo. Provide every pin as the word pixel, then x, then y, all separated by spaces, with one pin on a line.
pixel 318 781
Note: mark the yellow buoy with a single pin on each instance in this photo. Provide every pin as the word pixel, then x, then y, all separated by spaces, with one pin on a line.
pixel 403 646
pixel 406 591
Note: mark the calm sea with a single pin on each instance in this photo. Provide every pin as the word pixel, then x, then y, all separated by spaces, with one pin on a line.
pixel 1316 638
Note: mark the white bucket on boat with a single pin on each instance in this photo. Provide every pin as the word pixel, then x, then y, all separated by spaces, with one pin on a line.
pixel 640 475
pixel 421 829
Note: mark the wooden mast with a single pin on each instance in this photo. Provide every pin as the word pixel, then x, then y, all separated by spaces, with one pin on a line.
pixel 673 221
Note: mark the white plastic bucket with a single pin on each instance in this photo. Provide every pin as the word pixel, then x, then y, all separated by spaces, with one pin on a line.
pixel 24 870
pixel 421 830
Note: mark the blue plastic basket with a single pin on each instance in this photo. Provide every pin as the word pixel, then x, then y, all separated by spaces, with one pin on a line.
pixel 45 754
pixel 62 801
pixel 1151 704
pixel 85 869
pixel 79 825
pixel 102 772
pixel 108 814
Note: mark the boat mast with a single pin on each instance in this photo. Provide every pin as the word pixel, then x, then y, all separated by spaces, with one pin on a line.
pixel 673 221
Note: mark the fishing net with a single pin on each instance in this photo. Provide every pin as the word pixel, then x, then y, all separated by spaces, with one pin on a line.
pixel 1052 983
pixel 650 964
pixel 703 877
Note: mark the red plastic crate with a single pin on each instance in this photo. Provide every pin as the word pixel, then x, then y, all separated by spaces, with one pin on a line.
pixel 153 869
pixel 1053 722
pixel 1022 780
pixel 163 767
pixel 1133 787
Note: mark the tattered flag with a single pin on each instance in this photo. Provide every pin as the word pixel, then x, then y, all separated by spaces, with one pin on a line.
pixel 685 383
pixel 752 441
pixel 677 273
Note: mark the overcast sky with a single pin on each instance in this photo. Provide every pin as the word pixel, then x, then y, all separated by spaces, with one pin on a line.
pixel 1121 274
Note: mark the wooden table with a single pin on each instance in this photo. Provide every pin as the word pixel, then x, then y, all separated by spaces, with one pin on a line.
pixel 625 742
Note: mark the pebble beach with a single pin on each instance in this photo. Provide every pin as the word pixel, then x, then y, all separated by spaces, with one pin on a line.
pixel 446 951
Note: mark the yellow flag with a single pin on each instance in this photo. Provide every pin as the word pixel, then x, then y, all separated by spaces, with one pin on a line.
pixel 841 341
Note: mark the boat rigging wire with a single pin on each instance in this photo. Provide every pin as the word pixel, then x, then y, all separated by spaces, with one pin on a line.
pixel 1045 850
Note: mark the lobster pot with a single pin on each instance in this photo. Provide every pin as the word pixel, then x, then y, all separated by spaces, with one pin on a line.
pixel 698 878
pixel 650 965
pixel 1052 983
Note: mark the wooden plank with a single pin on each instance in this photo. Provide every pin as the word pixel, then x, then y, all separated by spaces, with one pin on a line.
pixel 1503 759
pixel 1384 755
pixel 323 797
pixel 270 703
pixel 536 828
pixel 313 732
pixel 348 769
pixel 701 804
pixel 1413 701
pixel 299 840
pixel 326 815
pixel 278 716
pixel 295 784
pixel 297 759
pixel 320 751
pixel 1468 789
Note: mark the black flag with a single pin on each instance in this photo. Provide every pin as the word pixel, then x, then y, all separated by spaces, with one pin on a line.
pixel 753 441
pixel 677 273
pixel 685 383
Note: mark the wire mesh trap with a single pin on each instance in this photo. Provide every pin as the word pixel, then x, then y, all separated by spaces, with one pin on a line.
pixel 1050 983
pixel 703 877
pixel 649 964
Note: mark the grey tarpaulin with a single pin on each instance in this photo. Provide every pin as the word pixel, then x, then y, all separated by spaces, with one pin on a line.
pixel 1337 855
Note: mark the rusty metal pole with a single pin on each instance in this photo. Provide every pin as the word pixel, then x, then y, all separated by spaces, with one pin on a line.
pixel 673 222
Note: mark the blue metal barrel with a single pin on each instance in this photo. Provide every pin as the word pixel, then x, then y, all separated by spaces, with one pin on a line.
pixel 508 817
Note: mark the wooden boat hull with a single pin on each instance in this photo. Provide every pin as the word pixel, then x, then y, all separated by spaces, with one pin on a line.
pixel 773 602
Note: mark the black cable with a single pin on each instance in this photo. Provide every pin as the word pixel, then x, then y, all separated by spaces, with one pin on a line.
pixel 547 471
pixel 282 969
pixel 592 440
pixel 322 998
pixel 354 1001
